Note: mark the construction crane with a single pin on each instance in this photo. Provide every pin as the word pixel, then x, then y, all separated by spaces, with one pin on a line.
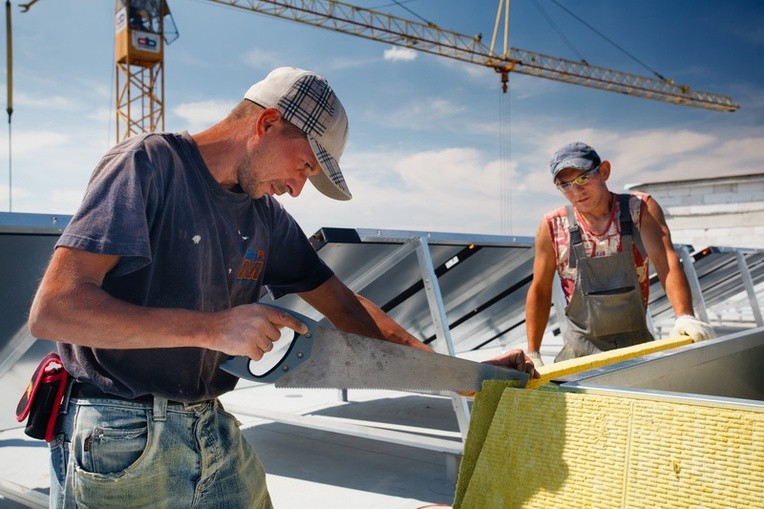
pixel 141 29
pixel 429 38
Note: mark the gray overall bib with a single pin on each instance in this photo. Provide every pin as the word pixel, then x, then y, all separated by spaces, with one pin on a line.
pixel 606 309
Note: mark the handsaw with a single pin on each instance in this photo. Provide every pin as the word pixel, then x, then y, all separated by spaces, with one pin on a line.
pixel 326 358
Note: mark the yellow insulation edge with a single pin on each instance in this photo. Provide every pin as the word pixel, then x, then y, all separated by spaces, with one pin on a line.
pixel 572 366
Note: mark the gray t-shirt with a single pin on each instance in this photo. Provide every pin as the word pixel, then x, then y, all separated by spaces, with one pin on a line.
pixel 184 242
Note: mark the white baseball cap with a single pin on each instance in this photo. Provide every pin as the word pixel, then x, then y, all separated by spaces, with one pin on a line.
pixel 306 100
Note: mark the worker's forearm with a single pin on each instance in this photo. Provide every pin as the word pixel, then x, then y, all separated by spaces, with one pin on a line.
pixel 91 317
pixel 351 312
pixel 534 335
pixel 537 310
pixel 678 292
pixel 389 329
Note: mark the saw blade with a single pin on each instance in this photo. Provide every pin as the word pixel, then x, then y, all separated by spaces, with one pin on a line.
pixel 331 359
pixel 343 360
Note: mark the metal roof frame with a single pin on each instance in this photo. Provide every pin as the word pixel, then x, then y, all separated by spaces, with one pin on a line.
pixel 716 274
pixel 483 280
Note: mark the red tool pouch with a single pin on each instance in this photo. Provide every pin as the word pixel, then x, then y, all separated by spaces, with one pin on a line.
pixel 42 398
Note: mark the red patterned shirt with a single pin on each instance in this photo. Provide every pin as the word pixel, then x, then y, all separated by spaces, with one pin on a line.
pixel 597 244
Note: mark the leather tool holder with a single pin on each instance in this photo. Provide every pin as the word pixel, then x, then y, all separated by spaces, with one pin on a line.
pixel 42 398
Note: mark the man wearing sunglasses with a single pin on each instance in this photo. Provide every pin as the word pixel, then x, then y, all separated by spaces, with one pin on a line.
pixel 601 245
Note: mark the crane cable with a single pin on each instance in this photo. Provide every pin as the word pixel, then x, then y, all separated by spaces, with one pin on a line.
pixel 613 43
pixel 505 163
pixel 425 21
pixel 505 130
pixel 9 89
pixel 562 35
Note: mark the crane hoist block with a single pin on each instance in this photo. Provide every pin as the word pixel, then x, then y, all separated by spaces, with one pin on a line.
pixel 549 448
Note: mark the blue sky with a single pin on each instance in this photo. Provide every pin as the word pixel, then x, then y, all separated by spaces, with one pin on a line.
pixel 434 144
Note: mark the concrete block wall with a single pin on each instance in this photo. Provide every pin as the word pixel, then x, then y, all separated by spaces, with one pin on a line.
pixel 721 211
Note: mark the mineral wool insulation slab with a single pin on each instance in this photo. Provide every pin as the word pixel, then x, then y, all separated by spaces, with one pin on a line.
pixel 553 449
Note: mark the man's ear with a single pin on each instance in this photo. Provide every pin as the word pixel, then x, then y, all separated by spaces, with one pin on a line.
pixel 266 119
pixel 605 170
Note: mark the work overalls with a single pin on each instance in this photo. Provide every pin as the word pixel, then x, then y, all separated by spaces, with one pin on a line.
pixel 606 310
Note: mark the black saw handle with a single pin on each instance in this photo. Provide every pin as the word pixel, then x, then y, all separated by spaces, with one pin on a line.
pixel 296 354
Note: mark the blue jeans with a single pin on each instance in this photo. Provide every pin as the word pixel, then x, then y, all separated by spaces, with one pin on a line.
pixel 122 454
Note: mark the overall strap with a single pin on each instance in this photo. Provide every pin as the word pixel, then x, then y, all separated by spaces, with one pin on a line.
pixel 627 225
pixel 576 242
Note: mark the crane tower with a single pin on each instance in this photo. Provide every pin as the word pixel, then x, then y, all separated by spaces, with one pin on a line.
pixel 139 57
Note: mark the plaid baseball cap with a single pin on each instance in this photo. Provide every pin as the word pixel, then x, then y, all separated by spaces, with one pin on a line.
pixel 306 100
pixel 576 155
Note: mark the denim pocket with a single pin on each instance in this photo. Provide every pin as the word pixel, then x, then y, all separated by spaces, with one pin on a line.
pixel 114 450
pixel 112 462
pixel 110 450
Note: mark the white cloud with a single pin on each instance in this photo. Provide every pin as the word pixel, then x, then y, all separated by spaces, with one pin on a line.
pixel 452 190
pixel 202 114
pixel 645 155
pixel 344 63
pixel 444 173
pixel 31 142
pixel 424 114
pixel 460 189
pixel 746 153
pixel 51 168
pixel 52 102
pixel 479 73
pixel 261 59
pixel 399 53
pixel 102 114
pixel 63 200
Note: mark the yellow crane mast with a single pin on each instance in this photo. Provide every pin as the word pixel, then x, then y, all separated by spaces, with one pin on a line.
pixel 139 58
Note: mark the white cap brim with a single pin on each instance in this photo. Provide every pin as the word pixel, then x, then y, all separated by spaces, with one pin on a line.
pixel 330 181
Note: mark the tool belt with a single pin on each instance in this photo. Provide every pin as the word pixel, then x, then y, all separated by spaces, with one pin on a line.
pixel 41 401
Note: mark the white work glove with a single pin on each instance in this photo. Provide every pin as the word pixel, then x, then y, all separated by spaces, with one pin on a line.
pixel 688 325
pixel 536 358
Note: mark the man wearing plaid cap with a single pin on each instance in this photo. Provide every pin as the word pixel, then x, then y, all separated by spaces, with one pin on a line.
pixel 154 284
pixel 601 245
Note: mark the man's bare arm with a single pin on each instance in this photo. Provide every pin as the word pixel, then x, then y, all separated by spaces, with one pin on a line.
pixel 538 302
pixel 71 307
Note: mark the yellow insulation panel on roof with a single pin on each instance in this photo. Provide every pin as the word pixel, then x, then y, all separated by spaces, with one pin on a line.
pixel 554 449
pixel 597 360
